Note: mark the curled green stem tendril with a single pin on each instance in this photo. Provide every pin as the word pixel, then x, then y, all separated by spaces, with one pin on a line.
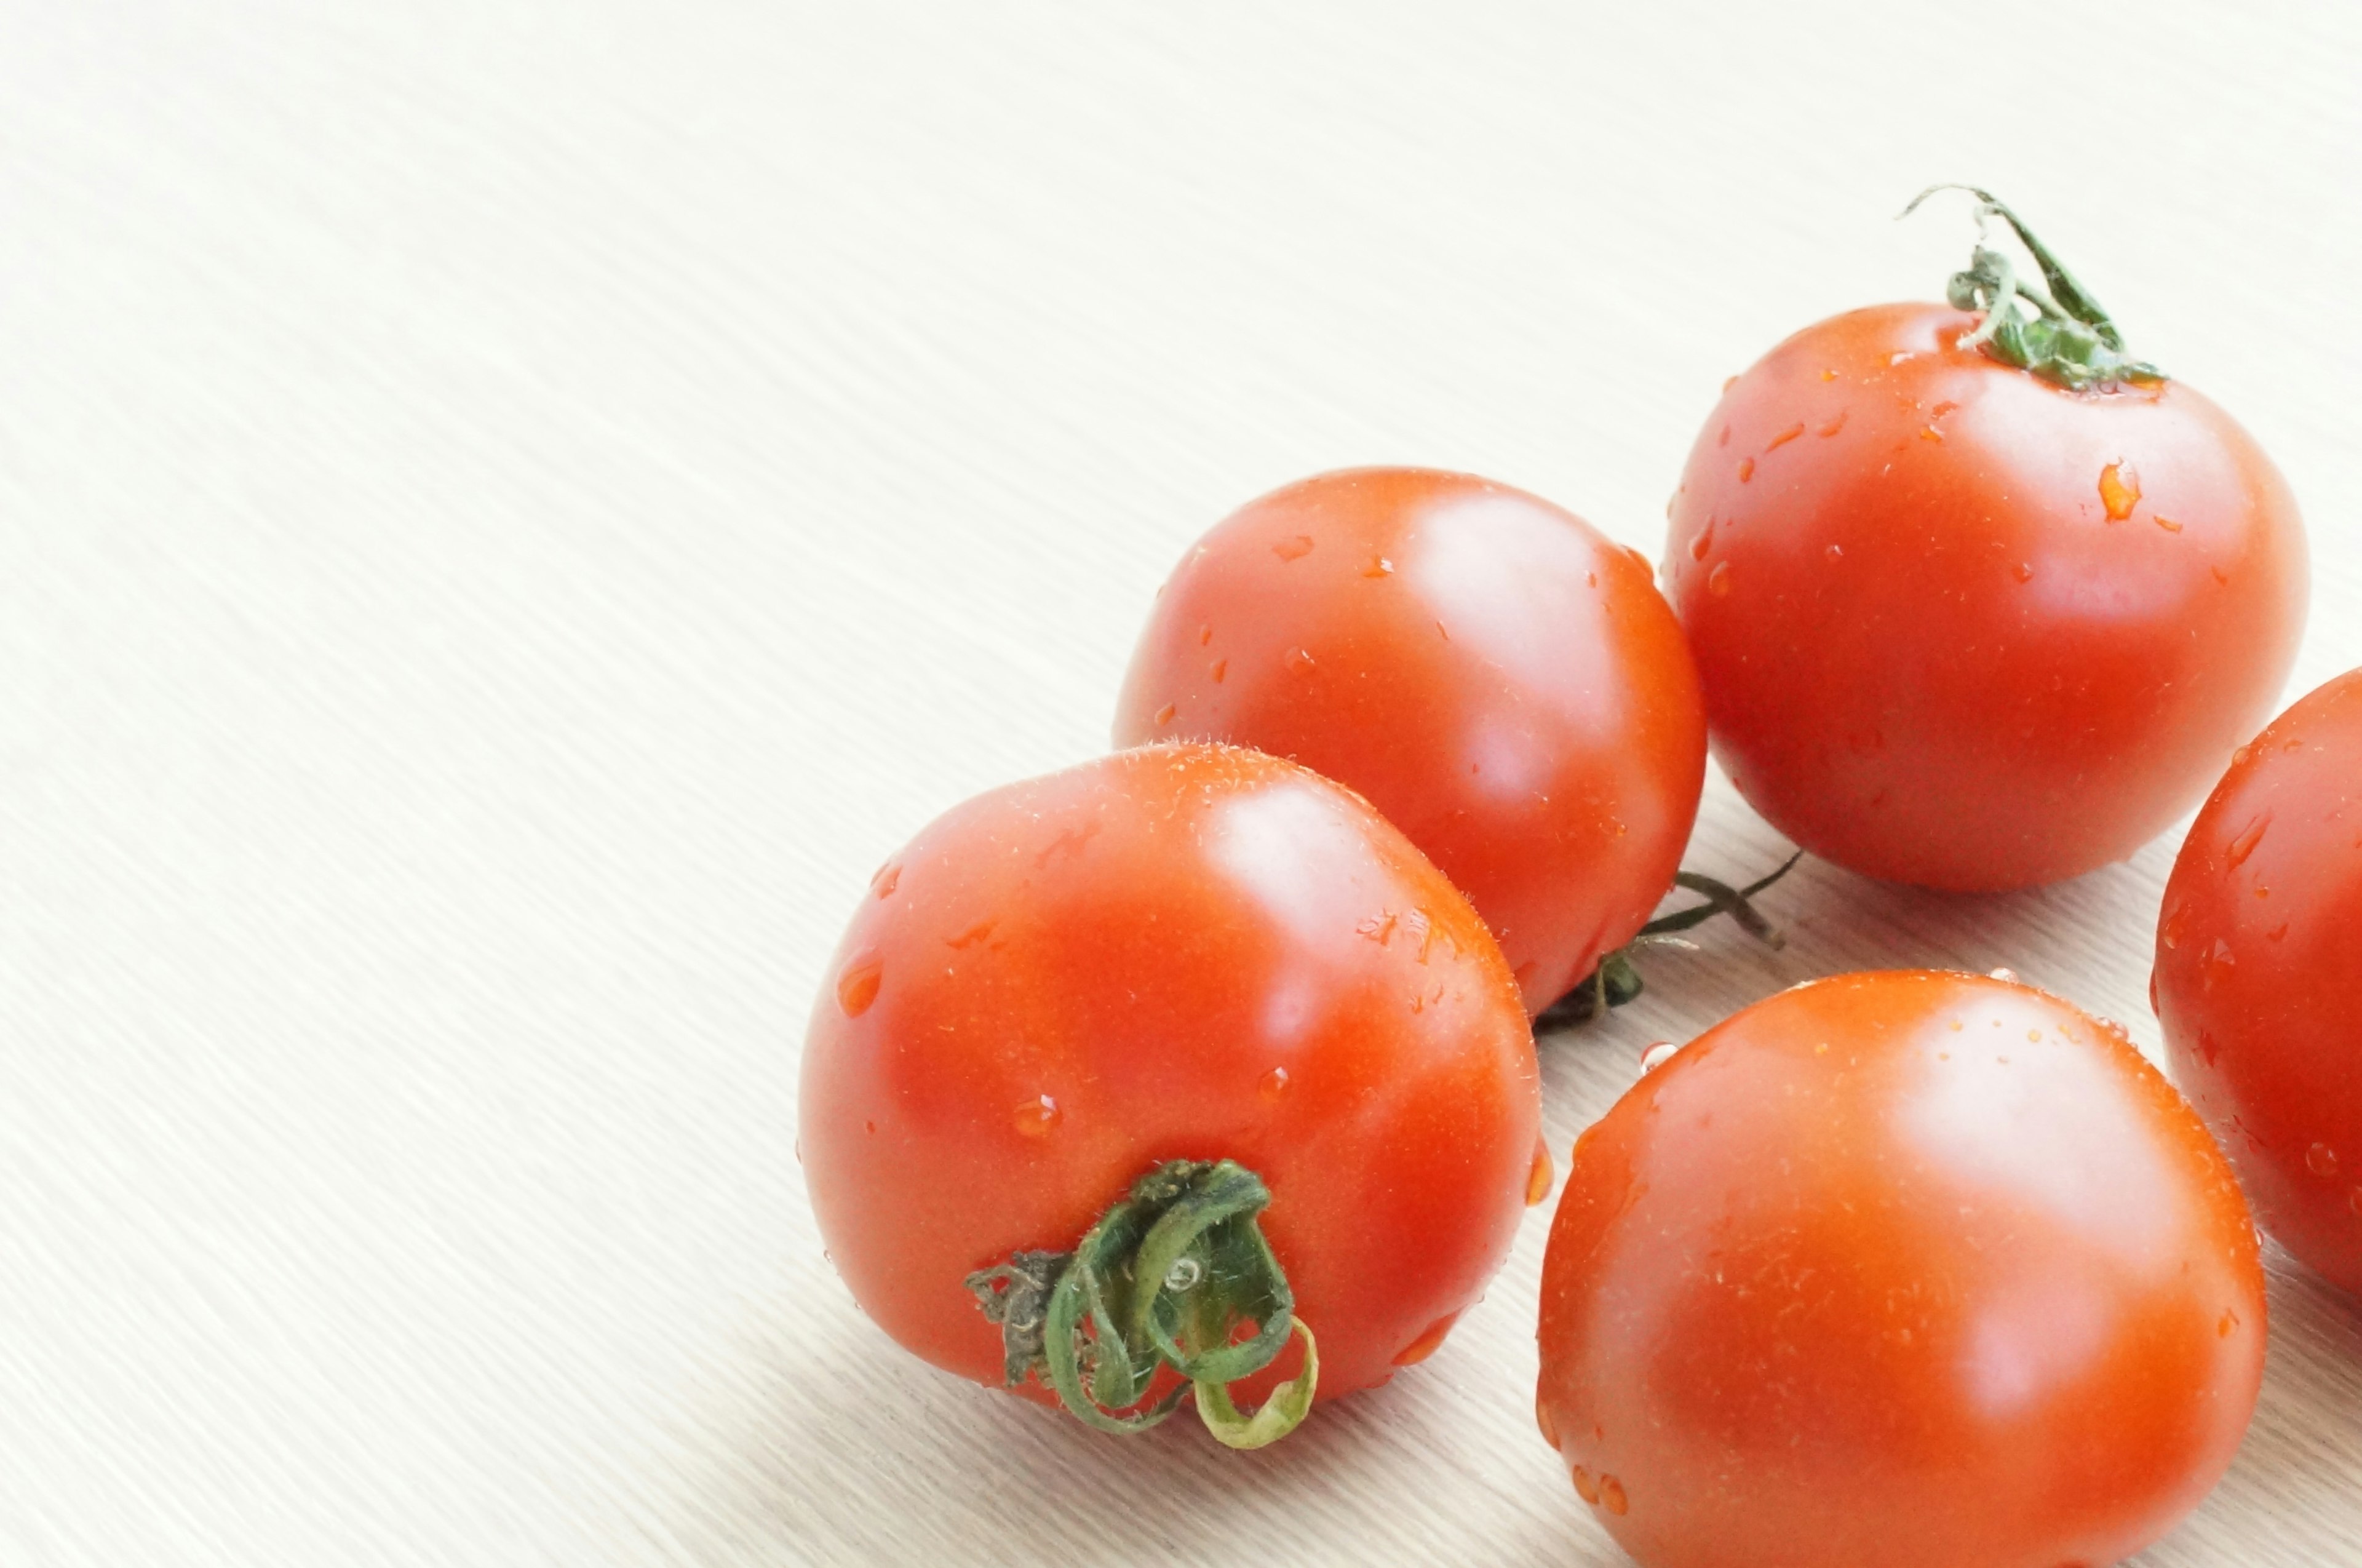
pixel 1617 981
pixel 1167 1278
pixel 2069 340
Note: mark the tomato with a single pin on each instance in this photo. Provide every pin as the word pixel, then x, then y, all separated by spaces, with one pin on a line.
pixel 1499 678
pixel 1963 627
pixel 1178 953
pixel 1906 1268
pixel 2257 983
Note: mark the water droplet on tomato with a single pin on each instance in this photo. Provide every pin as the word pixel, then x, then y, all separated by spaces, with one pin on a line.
pixel 1835 554
pixel 1723 439
pixel 1429 1341
pixel 2250 837
pixel 2167 524
pixel 1165 715
pixel 1205 635
pixel 1221 668
pixel 1036 1117
pixel 1584 1486
pixel 2208 1046
pixel 1702 541
pixel 1728 382
pixel 889 874
pixel 1718 581
pixel 1833 426
pixel 1379 566
pixel 1657 1055
pixel 2219 963
pixel 856 987
pixel 2277 932
pixel 1828 375
pixel 2034 1037
pixel 2112 1030
pixel 2022 571
pixel 1611 1496
pixel 1899 356
pixel 2321 1160
pixel 2008 975
pixel 1273 1085
pixel 1539 1175
pixel 1746 469
pixel 1294 549
pixel 1929 433
pixel 1548 1423
pixel 2152 991
pixel 1784 436
pixel 2229 1321
pixel 2176 927
pixel 2221 577
pixel 2119 489
pixel 2354 1202
pixel 1300 661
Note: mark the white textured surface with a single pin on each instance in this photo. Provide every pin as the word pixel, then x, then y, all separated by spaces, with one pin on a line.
pixel 507 511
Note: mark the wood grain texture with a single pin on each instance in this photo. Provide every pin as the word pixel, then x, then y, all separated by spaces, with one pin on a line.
pixel 507 511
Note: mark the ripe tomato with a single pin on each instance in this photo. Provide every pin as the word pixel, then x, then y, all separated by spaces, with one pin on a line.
pixel 1899 1268
pixel 1963 627
pixel 2256 979
pixel 1181 953
pixel 1500 679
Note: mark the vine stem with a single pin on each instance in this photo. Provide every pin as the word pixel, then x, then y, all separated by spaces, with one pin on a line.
pixel 1617 981
pixel 1177 1276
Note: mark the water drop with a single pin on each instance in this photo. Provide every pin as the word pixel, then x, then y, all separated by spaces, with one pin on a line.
pixel 1591 580
pixel 2250 837
pixel 1703 541
pixel 1611 1496
pixel 2152 991
pixel 2167 524
pixel 858 986
pixel 2321 1160
pixel 2354 1202
pixel 1036 1117
pixel 1728 382
pixel 2176 927
pixel 1273 1085
pixel 1379 566
pixel 1221 668
pixel 1784 436
pixel 1941 409
pixel 2034 1037
pixel 2222 578
pixel 1929 433
pixel 1657 1055
pixel 1205 635
pixel 1723 439
pixel 1300 662
pixel 2229 1321
pixel 2119 489
pixel 1833 426
pixel 1539 1177
pixel 2219 963
pixel 2008 975
pixel 1294 549
pixel 1746 469
pixel 1835 553
pixel 2112 1030
pixel 889 874
pixel 1429 1341
pixel 2207 1047
pixel 2277 932
pixel 1165 715
pixel 1718 581
pixel 2022 571
pixel 1543 1419
pixel 1584 1486
pixel 1899 356
pixel 1828 375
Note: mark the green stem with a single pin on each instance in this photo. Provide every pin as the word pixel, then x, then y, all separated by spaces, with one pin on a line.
pixel 1617 981
pixel 1164 1279
pixel 2070 341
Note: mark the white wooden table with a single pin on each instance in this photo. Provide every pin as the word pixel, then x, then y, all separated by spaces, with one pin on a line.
pixel 509 512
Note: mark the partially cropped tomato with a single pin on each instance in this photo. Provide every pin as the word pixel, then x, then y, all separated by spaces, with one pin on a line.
pixel 2258 982
pixel 1961 625
pixel 1500 679
pixel 1107 998
pixel 1910 1268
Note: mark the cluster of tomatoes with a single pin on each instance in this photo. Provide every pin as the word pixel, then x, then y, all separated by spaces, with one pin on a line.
pixel 1204 1072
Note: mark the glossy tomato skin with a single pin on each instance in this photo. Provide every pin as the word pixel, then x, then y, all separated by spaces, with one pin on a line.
pixel 2257 982
pixel 1917 1269
pixel 1929 652
pixel 1499 678
pixel 1174 953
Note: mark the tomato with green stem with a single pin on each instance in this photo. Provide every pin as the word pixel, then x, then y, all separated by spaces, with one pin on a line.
pixel 1899 1268
pixel 1126 1079
pixel 2256 979
pixel 1977 600
pixel 1498 677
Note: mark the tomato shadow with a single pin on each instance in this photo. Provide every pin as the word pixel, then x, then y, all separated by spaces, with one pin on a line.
pixel 813 1440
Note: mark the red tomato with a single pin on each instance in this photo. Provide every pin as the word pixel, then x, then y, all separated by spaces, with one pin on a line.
pixel 1962 627
pixel 1500 679
pixel 2257 981
pixel 1178 953
pixel 1905 1268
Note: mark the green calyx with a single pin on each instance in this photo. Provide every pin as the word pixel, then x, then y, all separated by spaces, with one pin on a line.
pixel 1167 1278
pixel 2067 340
pixel 1617 980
